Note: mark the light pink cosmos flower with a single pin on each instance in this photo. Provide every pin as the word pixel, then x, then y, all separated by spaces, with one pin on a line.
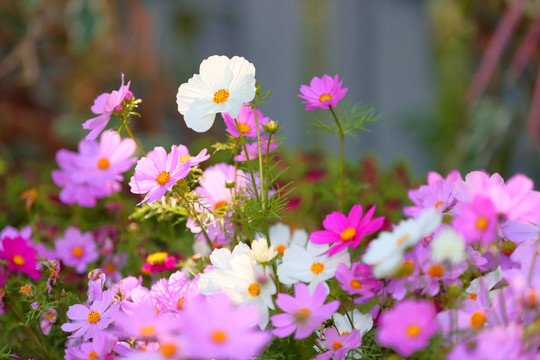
pixel 215 328
pixel 145 323
pixel 253 149
pixel 407 327
pixel 100 346
pixel 322 92
pixel 157 173
pixel 183 155
pixel 90 321
pixel 20 256
pixel 358 281
pixel 246 122
pixel 477 221
pixel 104 106
pixel 173 294
pixel 348 230
pixel 76 249
pixel 339 345
pixel 48 318
pixel 304 312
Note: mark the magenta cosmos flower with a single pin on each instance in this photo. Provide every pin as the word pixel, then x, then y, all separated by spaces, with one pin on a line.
pixel 408 326
pixel 477 221
pixel 246 122
pixel 215 328
pixel 20 256
pixel 358 281
pixel 104 106
pixel 346 231
pixel 157 173
pixel 304 312
pixel 339 345
pixel 76 249
pixel 322 92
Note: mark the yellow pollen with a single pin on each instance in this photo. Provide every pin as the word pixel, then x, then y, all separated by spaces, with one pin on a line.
pixel 281 248
pixel 348 234
pixel 355 284
pixel 244 129
pixel 49 316
pixel 77 251
pixel 180 303
pixel 436 271
pixel 345 333
pixel 110 268
pixel 147 331
pixel 26 289
pixel 402 239
pixel 438 203
pixel 317 268
pixel 94 274
pixel 185 158
pixel 325 97
pixel 337 345
pixel 93 317
pixel 157 258
pixel 254 289
pixel 472 296
pixel 18 260
pixel 413 331
pixel 162 178
pixel 220 204
pixel 93 355
pixel 221 96
pixel 481 223
pixel 219 336
pixel 531 300
pixel 478 319
pixel 407 268
pixel 168 350
pixel 302 314
pixel 103 163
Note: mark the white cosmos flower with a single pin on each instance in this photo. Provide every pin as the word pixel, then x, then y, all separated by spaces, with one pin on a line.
pixel 385 253
pixel 261 251
pixel 281 237
pixel 448 245
pixel 223 85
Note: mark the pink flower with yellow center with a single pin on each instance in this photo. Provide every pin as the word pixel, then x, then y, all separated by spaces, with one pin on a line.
pixel 477 221
pixel 76 249
pixel 322 92
pixel 246 122
pixel 20 256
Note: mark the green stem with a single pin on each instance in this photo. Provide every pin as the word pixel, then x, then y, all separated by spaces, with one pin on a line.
pixel 124 123
pixel 264 190
pixel 267 170
pixel 342 160
pixel 243 141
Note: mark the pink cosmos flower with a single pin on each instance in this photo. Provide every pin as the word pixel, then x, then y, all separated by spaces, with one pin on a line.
pixel 146 323
pixel 48 318
pixel 11 232
pixel 20 256
pixel 173 294
pixel 477 221
pixel 105 105
pixel 215 328
pixel 322 92
pixel 339 345
pixel 90 321
pixel 408 326
pixel 253 149
pixel 96 281
pixel 159 262
pixel 100 346
pixel 304 312
pixel 246 121
pixel 183 155
pixel 348 230
pixel 157 173
pixel 358 281
pixel 76 249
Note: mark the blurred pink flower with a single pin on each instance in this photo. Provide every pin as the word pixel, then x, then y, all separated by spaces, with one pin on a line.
pixel 20 256
pixel 322 92
pixel 76 249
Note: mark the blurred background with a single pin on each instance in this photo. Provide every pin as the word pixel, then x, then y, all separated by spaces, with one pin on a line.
pixel 453 80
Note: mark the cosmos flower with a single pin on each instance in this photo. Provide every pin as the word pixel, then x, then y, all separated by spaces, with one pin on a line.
pixel 172 295
pixel 76 249
pixel 223 85
pixel 246 122
pixel 253 149
pixel 184 156
pixel 338 345
pixel 20 256
pixel 322 92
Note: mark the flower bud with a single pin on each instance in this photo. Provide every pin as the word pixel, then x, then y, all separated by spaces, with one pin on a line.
pixel 230 184
pixel 271 127
pixel 128 96
pixel 118 108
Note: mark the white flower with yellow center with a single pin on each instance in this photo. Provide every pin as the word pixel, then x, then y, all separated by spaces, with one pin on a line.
pixel 282 237
pixel 261 251
pixel 223 85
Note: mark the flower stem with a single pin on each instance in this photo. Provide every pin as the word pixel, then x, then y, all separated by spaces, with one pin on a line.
pixel 264 190
pixel 124 123
pixel 342 160
pixel 243 141
pixel 267 170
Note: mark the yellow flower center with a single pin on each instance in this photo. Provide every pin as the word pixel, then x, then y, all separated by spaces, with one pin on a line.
pixel 168 350
pixel 531 300
pixel 18 260
pixel 325 97
pixel 407 268
pixel 157 258
pixel 220 204
pixel 219 336
pixel 185 158
pixel 317 268
pixel 221 96
pixel 436 271
pixel 355 284
pixel 337 345
pixel 103 163
pixel 244 128
pixel 180 303
pixel 77 251
pixel 26 289
pixel 281 248
pixel 110 268
pixel 438 203
pixel 478 319
pixel 254 289
pixel 481 223
pixel 94 274
pixel 473 296
pixel 162 178
pixel 402 239
pixel 413 331
pixel 302 314
pixel 147 331
pixel 348 234
pixel 93 355
pixel 93 317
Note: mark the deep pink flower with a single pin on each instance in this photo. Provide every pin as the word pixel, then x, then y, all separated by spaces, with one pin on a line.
pixel 358 280
pixel 157 173
pixel 348 230
pixel 253 149
pixel 304 312
pixel 159 262
pixel 339 345
pixel 246 121
pixel 20 256
pixel 322 92
pixel 104 106
pixel 477 221
pixel 408 326
pixel 76 249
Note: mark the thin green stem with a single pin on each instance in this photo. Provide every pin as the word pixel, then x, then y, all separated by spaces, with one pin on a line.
pixel 342 160
pixel 264 190
pixel 267 170
pixel 124 123
pixel 243 141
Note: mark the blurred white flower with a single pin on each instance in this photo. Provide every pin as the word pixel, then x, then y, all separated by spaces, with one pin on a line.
pixel 449 245
pixel 261 251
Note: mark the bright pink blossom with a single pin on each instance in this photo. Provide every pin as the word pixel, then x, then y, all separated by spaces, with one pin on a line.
pixel 246 121
pixel 322 92
pixel 477 221
pixel 20 256
pixel 358 280
pixel 339 345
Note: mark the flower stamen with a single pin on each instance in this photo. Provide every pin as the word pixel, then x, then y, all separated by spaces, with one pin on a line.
pixel 220 96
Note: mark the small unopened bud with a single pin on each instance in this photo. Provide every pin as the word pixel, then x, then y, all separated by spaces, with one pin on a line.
pixel 118 108
pixel 271 127
pixel 128 96
pixel 230 184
